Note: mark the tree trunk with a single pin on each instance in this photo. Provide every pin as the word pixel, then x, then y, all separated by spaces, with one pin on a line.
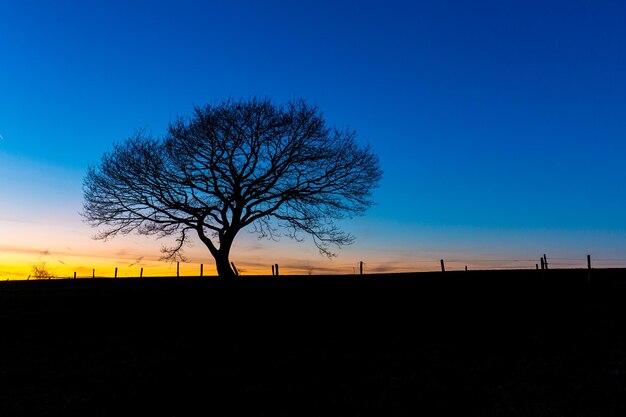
pixel 222 263
pixel 221 255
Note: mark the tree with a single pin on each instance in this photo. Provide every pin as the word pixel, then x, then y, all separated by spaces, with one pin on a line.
pixel 41 272
pixel 234 165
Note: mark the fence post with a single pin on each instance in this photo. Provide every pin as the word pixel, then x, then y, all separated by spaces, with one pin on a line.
pixel 273 272
pixel 177 269
pixel 537 266
pixel 276 269
pixel 545 260
pixel 116 272
pixel 201 270
pixel 543 266
pixel 234 268
pixel 466 267
pixel 93 273
pixel 588 268
pixel 443 267
pixel 74 274
pixel 141 273
pixel 361 267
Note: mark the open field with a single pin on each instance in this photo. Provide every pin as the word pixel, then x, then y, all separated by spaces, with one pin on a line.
pixel 478 343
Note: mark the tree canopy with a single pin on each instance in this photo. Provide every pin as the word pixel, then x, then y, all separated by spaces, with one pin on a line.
pixel 237 164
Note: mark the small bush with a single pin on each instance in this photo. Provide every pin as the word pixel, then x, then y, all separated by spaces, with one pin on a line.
pixel 41 272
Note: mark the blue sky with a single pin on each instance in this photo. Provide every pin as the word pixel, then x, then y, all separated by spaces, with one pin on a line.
pixel 500 124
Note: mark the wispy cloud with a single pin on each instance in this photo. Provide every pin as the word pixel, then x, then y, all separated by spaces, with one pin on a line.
pixel 137 261
pixel 22 250
pixel 47 253
pixel 19 221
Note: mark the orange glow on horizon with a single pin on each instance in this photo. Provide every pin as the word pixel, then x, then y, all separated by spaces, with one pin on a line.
pixel 19 266
pixel 68 249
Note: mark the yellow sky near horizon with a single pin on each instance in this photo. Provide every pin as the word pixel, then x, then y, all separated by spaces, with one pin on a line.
pixel 66 245
pixel 15 267
pixel 40 223
pixel 65 250
pixel 251 258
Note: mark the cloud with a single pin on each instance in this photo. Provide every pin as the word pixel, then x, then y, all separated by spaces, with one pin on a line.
pixel 137 261
pixel 252 247
pixel 56 258
pixel 45 252
pixel 14 220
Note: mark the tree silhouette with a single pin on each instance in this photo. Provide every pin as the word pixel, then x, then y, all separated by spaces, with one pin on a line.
pixel 229 166
pixel 41 272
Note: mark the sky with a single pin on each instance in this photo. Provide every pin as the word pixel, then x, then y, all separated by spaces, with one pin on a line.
pixel 499 124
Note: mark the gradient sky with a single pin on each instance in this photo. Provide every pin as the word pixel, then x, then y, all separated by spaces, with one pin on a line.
pixel 500 125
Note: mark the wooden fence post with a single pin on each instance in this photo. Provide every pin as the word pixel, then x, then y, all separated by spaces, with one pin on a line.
pixel 234 268
pixel 361 267
pixel 201 270
pixel 543 266
pixel 74 274
pixel 273 272
pixel 277 270
pixel 93 273
pixel 545 260
pixel 177 269
pixel 443 268
pixel 116 272
pixel 141 273
pixel 588 268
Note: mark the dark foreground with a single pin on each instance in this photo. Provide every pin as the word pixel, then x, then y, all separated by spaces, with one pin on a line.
pixel 471 344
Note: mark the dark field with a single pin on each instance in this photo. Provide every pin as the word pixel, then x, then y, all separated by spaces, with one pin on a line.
pixel 515 343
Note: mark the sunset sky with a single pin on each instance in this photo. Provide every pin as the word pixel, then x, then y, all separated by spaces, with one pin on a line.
pixel 500 125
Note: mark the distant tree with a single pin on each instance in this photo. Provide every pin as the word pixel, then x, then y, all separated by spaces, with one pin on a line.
pixel 230 166
pixel 41 272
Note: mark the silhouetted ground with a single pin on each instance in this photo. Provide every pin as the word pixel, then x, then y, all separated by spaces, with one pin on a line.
pixel 514 343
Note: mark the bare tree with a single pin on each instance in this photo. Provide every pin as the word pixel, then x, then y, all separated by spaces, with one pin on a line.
pixel 229 166
pixel 41 272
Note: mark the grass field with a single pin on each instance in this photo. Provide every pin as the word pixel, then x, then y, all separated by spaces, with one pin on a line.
pixel 490 343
